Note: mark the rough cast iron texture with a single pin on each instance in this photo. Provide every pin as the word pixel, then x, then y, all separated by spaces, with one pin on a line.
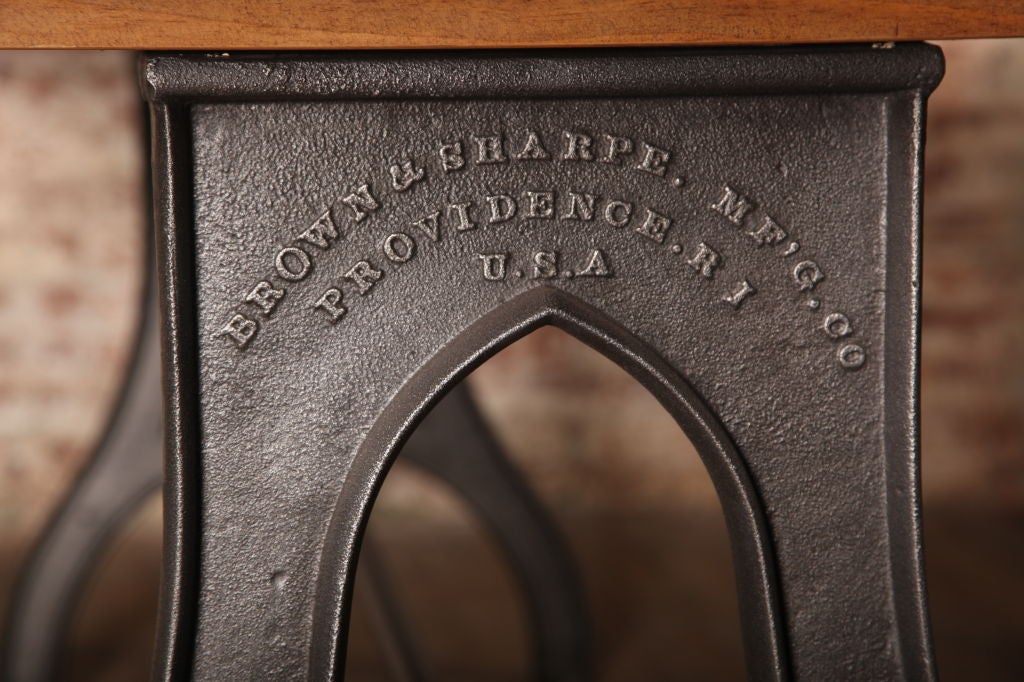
pixel 453 443
pixel 345 237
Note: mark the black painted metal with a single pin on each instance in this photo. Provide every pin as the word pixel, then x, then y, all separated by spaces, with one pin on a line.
pixel 454 444
pixel 403 656
pixel 775 317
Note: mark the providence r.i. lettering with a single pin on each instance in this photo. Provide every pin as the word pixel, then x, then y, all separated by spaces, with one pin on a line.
pixel 363 274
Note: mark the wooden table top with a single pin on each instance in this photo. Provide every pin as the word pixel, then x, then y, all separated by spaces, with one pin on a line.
pixel 460 24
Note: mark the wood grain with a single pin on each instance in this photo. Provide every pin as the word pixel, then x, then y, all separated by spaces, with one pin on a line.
pixel 435 24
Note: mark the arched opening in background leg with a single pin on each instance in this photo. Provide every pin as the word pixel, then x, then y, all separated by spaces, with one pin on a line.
pixel 633 505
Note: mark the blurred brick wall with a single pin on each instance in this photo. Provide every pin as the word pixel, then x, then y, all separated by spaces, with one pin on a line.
pixel 973 311
pixel 972 361
pixel 71 210
pixel 71 207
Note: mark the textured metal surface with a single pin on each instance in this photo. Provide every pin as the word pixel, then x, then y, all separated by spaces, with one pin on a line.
pixel 738 229
pixel 454 444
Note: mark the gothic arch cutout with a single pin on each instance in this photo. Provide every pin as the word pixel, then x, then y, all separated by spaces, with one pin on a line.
pixel 753 556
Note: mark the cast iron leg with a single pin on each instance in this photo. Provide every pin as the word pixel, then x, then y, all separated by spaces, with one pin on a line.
pixel 345 237
pixel 453 444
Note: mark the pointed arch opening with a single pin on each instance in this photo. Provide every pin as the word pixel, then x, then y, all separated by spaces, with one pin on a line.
pixel 753 559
